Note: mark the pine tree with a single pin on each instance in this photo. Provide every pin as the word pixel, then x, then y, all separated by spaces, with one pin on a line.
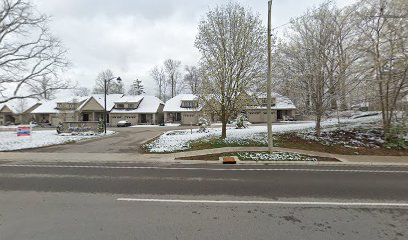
pixel 136 88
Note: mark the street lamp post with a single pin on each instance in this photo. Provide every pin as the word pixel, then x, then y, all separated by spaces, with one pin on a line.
pixel 105 115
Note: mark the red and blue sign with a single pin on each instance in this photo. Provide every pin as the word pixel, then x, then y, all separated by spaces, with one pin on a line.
pixel 23 131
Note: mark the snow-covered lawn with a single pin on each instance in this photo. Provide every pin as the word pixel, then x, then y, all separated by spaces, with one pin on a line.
pixel 9 140
pixel 147 126
pixel 275 156
pixel 180 140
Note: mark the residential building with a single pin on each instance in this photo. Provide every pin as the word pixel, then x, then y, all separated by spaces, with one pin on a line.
pixel 282 108
pixel 58 110
pixel 183 109
pixel 93 108
pixel 17 111
pixel 135 109
pixel 138 110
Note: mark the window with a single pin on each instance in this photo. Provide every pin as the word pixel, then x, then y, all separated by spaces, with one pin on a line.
pixel 189 104
pixel 120 105
pixel 131 105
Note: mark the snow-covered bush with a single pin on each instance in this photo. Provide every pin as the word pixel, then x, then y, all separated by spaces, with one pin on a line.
pixel 241 121
pixel 100 127
pixel 203 123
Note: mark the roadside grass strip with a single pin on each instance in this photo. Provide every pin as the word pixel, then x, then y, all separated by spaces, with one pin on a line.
pixel 275 156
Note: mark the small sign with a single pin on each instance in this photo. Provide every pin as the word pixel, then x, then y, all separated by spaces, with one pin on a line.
pixel 23 131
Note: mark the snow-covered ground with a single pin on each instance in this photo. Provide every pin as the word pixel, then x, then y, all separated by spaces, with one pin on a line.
pixel 147 126
pixel 181 139
pixel 9 140
pixel 275 156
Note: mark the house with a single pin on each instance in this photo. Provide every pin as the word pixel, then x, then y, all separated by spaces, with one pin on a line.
pixel 58 110
pixel 93 108
pixel 282 108
pixel 72 109
pixel 138 110
pixel 183 109
pixel 17 111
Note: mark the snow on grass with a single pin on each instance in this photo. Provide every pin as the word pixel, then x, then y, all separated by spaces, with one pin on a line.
pixel 181 140
pixel 362 130
pixel 275 156
pixel 9 140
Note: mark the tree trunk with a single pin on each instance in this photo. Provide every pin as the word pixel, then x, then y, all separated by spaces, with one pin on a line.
pixel 224 121
pixel 318 127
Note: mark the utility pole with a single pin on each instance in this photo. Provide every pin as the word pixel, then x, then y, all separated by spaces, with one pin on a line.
pixel 269 82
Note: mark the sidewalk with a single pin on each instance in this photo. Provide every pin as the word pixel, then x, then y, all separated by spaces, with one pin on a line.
pixel 27 157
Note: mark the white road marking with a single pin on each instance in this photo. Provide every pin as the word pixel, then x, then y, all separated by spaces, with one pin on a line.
pixel 367 204
pixel 210 169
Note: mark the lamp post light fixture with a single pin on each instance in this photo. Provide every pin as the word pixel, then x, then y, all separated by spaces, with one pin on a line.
pixel 105 115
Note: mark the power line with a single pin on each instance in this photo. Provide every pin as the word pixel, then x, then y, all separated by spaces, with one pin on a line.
pixel 285 24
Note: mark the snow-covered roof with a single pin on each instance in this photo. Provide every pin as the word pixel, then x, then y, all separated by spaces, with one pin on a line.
pixel 129 99
pixel 110 100
pixel 46 107
pixel 282 102
pixel 18 106
pixel 174 104
pixel 148 104
pixel 51 105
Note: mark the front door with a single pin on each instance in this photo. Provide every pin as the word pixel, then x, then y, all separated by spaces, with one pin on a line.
pixel 85 117
pixel 143 118
pixel 178 117
pixel 279 115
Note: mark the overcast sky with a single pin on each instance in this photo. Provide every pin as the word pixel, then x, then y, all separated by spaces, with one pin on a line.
pixel 130 37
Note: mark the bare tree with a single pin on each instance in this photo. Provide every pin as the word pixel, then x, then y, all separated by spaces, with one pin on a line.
pixel 384 42
pixel 158 75
pixel 82 92
pixel 113 87
pixel 232 41
pixel 172 70
pixel 43 90
pixel 317 60
pixel 191 78
pixel 28 52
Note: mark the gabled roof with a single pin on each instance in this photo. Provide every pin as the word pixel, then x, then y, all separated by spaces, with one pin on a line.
pixel 110 100
pixel 174 104
pixel 148 104
pixel 50 106
pixel 18 106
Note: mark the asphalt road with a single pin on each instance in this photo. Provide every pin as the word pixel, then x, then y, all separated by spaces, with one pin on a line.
pixel 133 201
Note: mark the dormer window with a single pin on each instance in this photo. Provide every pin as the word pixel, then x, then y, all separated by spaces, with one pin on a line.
pixel 189 104
pixel 120 105
pixel 131 105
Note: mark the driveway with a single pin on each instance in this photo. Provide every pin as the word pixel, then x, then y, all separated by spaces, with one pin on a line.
pixel 126 140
